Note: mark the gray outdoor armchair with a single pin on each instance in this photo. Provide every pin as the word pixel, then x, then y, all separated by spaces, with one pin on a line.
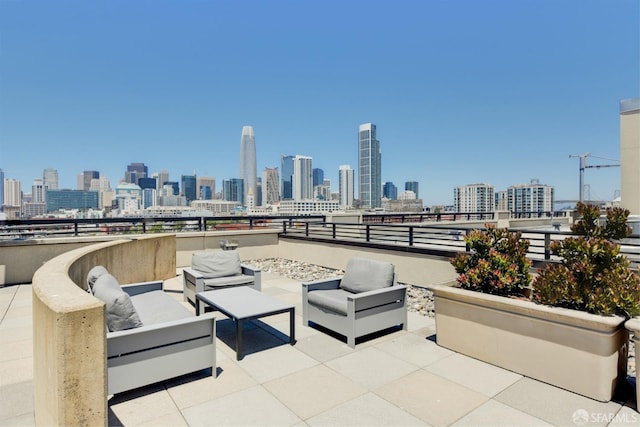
pixel 366 299
pixel 215 270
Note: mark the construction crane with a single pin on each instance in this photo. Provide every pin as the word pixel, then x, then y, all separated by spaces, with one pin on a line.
pixel 583 166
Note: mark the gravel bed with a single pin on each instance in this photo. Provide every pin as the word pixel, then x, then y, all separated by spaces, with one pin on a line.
pixel 419 299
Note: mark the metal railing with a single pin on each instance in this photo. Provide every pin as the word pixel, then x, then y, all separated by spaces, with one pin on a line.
pixel 443 241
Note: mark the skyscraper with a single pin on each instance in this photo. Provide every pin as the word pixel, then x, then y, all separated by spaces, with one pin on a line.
pixel 302 178
pixel 84 179
pixel 189 189
pixel 286 177
pixel 369 167
pixel 474 198
pixel 248 170
pixel 346 186
pixel 390 191
pixel 412 186
pixel 1 189
pixel 50 177
pixel 135 171
pixel 233 190
pixel 318 177
pixel 270 186
pixel 206 186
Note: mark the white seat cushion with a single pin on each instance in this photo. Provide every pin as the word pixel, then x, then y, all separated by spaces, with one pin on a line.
pixel 120 312
pixel 363 275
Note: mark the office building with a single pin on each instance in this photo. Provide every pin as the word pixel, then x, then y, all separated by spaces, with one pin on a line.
pixel 162 178
pixel 286 177
pixel 307 207
pixel 12 193
pixel 345 186
pixel 412 186
pixel 1 189
pixel 189 189
pixel 206 187
pixel 50 178
pixel 38 191
pixel 135 171
pixel 84 179
pixel 233 190
pixel 389 191
pixel 474 198
pixel 318 177
pixel 71 199
pixel 369 167
pixel 129 198
pixel 149 197
pixel 145 183
pixel 302 181
pixel 271 186
pixel 501 203
pixel 532 197
pixel 322 191
pixel 248 168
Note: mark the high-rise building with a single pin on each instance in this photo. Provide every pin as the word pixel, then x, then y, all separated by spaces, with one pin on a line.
pixel 1 189
pixel 162 178
pixel 302 178
pixel 50 178
pixel 271 186
pixel 318 177
pixel 206 186
pixel 533 197
pixel 71 199
pixel 233 190
pixel 412 186
pixel 474 198
pixel 12 193
pixel 84 179
pixel 369 167
pixel 345 186
pixel 135 171
pixel 390 191
pixel 38 191
pixel 286 177
pixel 189 188
pixel 248 169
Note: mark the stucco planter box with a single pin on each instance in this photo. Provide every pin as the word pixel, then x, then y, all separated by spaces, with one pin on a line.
pixel 580 352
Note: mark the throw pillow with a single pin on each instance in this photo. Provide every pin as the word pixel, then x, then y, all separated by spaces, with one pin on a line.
pixel 120 312
pixel 216 264
pixel 93 275
pixel 363 275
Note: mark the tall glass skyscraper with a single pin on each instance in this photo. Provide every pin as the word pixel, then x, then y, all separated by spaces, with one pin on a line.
pixel 345 183
pixel 369 167
pixel 286 166
pixel 248 168
pixel 189 187
pixel 302 178
pixel 412 186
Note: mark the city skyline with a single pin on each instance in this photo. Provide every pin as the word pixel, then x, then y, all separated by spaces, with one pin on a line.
pixel 496 92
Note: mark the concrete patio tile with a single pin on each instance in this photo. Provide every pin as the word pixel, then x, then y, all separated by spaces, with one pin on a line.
pixel 433 399
pixel 367 410
pixel 496 414
pixel 16 402
pixel 552 404
pixel 414 349
pixel 10 335
pixel 194 389
pixel 474 374
pixel 141 406
pixel 174 419
pixel 251 407
pixel 314 390
pixel 275 362
pixel 24 420
pixel 371 367
pixel 417 322
pixel 322 347
pixel 16 371
pixel 626 417
pixel 17 350
pixel 11 320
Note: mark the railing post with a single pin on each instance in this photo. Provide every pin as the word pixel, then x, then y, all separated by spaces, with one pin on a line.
pixel 250 223
pixel 466 245
pixel 75 228
pixel 410 236
pixel 333 231
pixel 284 227
pixel 144 227
pixel 306 229
pixel 368 230
pixel 547 242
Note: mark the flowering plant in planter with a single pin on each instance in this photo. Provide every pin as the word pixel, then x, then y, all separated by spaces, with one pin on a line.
pixel 497 263
pixel 592 275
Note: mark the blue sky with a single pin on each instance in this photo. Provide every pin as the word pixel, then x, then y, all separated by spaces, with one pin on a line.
pixel 467 91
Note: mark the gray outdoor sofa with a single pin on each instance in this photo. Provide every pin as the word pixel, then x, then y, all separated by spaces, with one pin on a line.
pixel 151 336
pixel 366 299
pixel 215 270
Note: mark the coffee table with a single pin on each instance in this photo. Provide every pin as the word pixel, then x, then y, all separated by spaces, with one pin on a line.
pixel 243 303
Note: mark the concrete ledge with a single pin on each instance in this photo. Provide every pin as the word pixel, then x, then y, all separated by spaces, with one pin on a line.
pixel 69 333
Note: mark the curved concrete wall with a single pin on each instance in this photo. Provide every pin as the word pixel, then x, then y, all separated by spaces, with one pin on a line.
pixel 69 334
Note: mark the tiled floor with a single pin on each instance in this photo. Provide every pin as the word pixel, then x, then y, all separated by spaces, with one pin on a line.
pixel 399 379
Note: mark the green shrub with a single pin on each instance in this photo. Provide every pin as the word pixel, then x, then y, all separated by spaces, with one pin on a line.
pixel 497 263
pixel 592 275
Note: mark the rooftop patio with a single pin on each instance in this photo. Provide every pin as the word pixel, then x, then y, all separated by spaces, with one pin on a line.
pixel 398 378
